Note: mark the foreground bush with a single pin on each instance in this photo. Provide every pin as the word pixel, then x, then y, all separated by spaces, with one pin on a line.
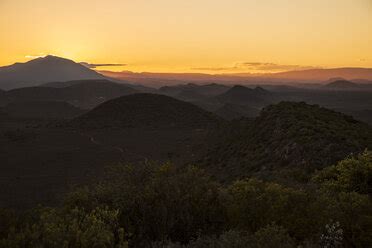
pixel 68 228
pixel 159 205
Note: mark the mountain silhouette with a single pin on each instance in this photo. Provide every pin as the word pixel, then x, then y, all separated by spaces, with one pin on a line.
pixel 43 70
pixel 146 110
pixel 242 95
pixel 323 74
pixel 347 85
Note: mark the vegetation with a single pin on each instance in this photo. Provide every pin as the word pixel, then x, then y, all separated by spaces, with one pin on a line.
pixel 160 205
pixel 146 110
pixel 287 137
pixel 297 176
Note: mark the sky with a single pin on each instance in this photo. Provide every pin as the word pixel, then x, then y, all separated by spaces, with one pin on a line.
pixel 211 36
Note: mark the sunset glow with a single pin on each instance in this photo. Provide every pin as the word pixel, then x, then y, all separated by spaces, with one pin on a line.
pixel 212 36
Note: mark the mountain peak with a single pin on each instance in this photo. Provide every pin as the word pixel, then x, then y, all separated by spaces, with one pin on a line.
pixel 43 70
pixel 51 59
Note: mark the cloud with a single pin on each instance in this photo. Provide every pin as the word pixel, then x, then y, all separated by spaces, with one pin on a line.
pixel 214 68
pixel 92 66
pixel 257 66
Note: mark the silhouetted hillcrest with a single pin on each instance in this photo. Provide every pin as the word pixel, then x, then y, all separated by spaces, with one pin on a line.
pixel 83 94
pixel 290 135
pixel 146 110
pixel 242 95
pixel 348 85
pixel 42 110
pixel 43 70
pixel 341 84
pixel 200 90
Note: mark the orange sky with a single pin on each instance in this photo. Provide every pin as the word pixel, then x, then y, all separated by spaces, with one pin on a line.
pixel 215 36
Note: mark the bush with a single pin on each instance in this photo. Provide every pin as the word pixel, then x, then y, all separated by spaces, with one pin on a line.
pixel 158 202
pixel 352 174
pixel 68 228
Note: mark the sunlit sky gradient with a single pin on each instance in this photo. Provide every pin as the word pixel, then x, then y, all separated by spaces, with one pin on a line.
pixel 215 36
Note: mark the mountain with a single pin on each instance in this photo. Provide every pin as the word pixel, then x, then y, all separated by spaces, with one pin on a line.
pixel 323 74
pixel 146 110
pixel 43 70
pixel 242 95
pixel 42 110
pixel 348 85
pixel 288 136
pixel 84 94
pixel 212 89
pixel 341 84
pixel 297 76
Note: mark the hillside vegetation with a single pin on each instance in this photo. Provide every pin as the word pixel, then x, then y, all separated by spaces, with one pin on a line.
pixel 289 135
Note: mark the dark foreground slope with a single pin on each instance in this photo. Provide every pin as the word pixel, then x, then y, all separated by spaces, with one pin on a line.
pixel 40 161
pixel 146 110
pixel 289 135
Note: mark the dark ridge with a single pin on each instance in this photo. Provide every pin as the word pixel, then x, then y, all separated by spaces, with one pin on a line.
pixel 243 95
pixel 292 135
pixel 202 90
pixel 146 110
pixel 342 84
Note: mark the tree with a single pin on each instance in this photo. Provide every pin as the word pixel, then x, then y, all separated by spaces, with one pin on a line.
pixel 352 174
pixel 68 228
pixel 158 202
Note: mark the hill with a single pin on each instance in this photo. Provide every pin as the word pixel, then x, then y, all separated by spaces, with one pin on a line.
pixel 146 110
pixel 341 84
pixel 43 70
pixel 212 89
pixel 288 135
pixel 83 94
pixel 348 85
pixel 42 110
pixel 242 95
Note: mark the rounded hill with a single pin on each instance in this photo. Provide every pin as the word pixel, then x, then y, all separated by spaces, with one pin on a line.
pixel 146 110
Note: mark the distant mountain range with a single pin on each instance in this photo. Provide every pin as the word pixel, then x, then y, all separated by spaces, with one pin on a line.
pixel 347 85
pixel 298 76
pixel 55 69
pixel 324 74
pixel 43 70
